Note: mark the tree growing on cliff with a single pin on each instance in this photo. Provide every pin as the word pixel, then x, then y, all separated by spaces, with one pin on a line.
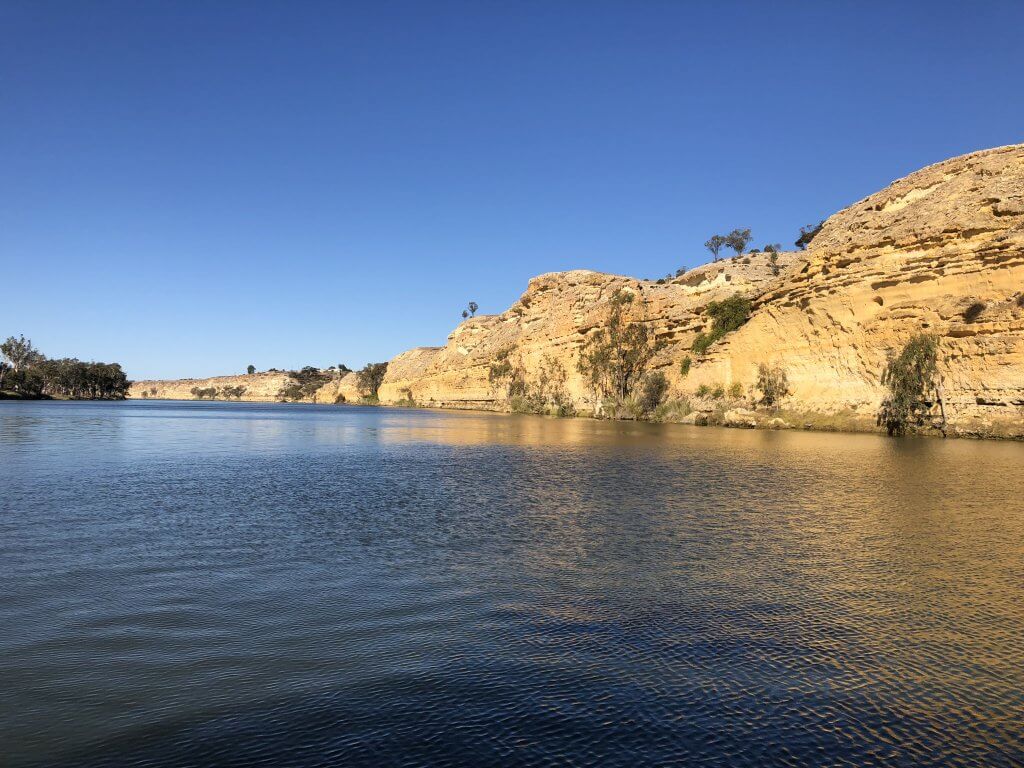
pixel 738 240
pixel 653 391
pixel 550 386
pixel 251 370
pixel 808 233
pixel 473 307
pixel 369 379
pixel 506 373
pixel 616 354
pixel 911 379
pixel 714 244
pixel 726 316
pixel 772 383
pixel 303 384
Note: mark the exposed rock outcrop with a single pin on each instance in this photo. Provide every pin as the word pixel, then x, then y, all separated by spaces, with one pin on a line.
pixel 940 251
pixel 552 319
pixel 342 389
pixel 256 387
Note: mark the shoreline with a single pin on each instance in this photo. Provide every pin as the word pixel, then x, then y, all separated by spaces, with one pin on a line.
pixel 735 418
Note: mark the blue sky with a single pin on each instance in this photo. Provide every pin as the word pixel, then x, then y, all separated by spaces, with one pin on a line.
pixel 190 187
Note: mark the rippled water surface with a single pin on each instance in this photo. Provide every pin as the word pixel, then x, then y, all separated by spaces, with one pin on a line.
pixel 200 584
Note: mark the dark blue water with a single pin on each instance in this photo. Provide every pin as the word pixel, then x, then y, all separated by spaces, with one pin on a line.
pixel 202 584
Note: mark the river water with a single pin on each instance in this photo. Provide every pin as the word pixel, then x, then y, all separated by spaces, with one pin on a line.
pixel 210 584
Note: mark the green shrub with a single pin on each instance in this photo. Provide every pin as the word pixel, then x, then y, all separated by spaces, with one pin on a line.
pixel 520 403
pixel 672 410
pixel 565 410
pixel 910 376
pixel 369 379
pixel 703 390
pixel 718 392
pixel 726 316
pixel 736 390
pixel 729 314
pixel 701 342
pixel 653 391
pixel 684 367
pixel 772 383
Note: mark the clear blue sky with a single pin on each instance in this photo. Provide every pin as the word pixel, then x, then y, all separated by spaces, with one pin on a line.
pixel 189 187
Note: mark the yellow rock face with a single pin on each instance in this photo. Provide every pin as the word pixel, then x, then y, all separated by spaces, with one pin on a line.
pixel 552 320
pixel 339 390
pixel 941 251
pixel 259 387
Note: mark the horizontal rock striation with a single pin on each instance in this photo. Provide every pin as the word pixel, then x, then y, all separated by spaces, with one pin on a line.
pixel 940 251
pixel 552 320
pixel 258 387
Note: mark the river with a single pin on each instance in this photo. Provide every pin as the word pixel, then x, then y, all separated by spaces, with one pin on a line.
pixel 238 584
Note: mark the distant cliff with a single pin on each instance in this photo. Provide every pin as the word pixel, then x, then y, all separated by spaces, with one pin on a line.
pixel 259 387
pixel 939 252
pixel 255 387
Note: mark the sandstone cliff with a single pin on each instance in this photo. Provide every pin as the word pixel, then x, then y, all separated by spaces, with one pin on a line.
pixel 940 251
pixel 342 389
pixel 256 387
pixel 552 319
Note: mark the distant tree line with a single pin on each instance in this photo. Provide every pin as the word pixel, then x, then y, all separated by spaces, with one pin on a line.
pixel 26 371
pixel 215 393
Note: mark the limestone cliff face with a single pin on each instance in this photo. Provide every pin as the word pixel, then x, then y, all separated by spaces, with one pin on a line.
pixel 940 251
pixel 553 319
pixel 259 387
pixel 342 389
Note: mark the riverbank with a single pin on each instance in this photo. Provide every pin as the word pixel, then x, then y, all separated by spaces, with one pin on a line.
pixel 724 415
pixel 935 262
pixel 9 394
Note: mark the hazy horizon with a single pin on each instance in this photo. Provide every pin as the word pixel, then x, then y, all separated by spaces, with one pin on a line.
pixel 189 189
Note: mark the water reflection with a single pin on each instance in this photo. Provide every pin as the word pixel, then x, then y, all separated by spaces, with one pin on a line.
pixel 199 583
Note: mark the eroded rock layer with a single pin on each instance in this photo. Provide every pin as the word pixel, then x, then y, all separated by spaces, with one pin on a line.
pixel 940 251
pixel 256 387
